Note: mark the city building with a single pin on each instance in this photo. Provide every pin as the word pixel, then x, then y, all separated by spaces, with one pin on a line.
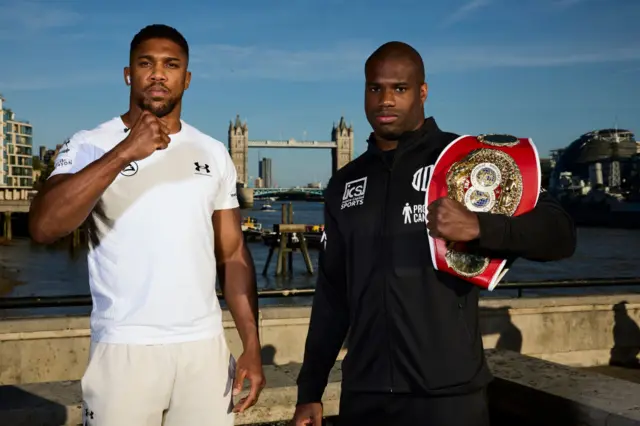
pixel 16 144
pixel 600 158
pixel 265 172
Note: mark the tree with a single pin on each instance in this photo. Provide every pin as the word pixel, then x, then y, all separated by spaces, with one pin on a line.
pixel 37 163
pixel 44 174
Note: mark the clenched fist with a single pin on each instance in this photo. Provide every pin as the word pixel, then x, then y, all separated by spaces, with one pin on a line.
pixel 146 136
pixel 449 220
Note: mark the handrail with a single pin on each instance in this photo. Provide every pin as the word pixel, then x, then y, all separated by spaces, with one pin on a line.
pixel 85 300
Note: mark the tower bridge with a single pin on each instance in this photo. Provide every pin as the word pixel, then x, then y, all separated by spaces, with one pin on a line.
pixel 269 192
pixel 340 146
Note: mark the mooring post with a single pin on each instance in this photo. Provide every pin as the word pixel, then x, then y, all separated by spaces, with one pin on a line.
pixel 281 268
pixel 285 248
pixel 290 253
pixel 8 233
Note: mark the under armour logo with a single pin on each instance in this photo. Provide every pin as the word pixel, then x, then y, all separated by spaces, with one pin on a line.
pixel 88 414
pixel 199 167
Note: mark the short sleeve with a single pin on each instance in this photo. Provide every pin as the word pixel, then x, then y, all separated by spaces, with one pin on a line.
pixel 74 155
pixel 227 197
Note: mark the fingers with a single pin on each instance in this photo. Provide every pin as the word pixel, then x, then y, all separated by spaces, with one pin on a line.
pixel 256 387
pixel 164 141
pixel 142 117
pixel 434 225
pixel 238 381
pixel 161 132
pixel 147 118
pixel 314 420
pixel 431 217
pixel 433 233
pixel 435 204
pixel 163 127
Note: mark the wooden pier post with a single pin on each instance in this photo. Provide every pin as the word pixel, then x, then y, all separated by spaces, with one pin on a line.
pixel 8 232
pixel 284 265
pixel 76 238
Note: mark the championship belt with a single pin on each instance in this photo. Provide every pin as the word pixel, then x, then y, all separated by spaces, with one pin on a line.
pixel 497 174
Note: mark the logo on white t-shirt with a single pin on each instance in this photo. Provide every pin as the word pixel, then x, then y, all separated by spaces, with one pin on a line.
pixel 130 170
pixel 202 169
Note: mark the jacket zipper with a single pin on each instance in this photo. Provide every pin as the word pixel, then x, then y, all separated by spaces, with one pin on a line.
pixel 389 169
pixel 386 271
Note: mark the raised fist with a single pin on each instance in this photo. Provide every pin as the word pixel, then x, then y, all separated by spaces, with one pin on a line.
pixel 146 136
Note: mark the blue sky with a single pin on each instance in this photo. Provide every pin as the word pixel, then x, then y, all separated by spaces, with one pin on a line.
pixel 546 69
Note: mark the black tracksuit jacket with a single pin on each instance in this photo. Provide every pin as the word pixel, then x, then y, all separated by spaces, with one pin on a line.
pixel 411 328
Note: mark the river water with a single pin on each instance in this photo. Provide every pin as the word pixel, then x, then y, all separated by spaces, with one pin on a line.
pixel 28 269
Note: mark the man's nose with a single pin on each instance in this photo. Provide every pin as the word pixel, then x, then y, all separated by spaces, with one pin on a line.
pixel 158 73
pixel 388 98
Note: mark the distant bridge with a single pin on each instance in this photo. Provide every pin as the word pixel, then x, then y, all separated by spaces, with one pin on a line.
pixel 267 192
pixel 291 143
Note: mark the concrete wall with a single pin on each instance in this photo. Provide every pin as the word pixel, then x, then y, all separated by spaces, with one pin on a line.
pixel 579 331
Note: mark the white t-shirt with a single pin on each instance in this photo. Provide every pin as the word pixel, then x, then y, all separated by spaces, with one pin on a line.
pixel 153 273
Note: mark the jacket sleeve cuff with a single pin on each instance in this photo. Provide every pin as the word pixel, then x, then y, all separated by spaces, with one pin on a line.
pixel 493 231
pixel 309 392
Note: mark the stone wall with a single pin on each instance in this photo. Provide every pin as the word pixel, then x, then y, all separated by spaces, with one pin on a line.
pixel 578 331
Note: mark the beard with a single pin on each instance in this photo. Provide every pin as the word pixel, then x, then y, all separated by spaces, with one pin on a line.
pixel 159 107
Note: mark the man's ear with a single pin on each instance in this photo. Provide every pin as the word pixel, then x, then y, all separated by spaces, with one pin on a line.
pixel 187 80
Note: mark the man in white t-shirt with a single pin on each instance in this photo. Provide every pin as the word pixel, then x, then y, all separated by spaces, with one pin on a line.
pixel 159 198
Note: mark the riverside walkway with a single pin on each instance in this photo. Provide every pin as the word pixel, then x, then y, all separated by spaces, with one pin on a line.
pixel 550 355
pixel 526 391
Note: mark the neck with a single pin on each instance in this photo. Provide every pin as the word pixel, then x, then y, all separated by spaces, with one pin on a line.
pixel 388 145
pixel 171 120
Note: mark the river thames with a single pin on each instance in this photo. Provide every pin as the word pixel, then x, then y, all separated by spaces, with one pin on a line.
pixel 28 269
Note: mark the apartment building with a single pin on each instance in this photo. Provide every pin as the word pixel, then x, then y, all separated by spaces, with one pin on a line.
pixel 16 146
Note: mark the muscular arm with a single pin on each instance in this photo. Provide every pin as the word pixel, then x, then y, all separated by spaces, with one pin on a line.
pixel 329 321
pixel 66 200
pixel 544 234
pixel 237 275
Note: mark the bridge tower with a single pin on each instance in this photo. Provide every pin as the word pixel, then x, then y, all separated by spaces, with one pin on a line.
pixel 239 149
pixel 342 135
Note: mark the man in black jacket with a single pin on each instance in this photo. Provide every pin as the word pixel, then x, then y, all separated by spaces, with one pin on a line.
pixel 414 352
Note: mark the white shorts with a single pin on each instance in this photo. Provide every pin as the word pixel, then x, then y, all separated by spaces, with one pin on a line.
pixel 152 385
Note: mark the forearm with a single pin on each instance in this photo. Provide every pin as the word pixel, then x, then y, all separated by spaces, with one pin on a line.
pixel 543 234
pixel 238 281
pixel 328 329
pixel 64 205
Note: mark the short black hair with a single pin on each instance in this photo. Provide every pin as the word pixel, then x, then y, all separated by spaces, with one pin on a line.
pixel 399 50
pixel 159 31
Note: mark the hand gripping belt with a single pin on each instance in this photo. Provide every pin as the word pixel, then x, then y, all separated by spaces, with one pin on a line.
pixel 498 174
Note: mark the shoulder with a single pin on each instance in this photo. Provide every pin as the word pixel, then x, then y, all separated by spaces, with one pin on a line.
pixel 93 141
pixel 211 144
pixel 443 139
pixel 98 134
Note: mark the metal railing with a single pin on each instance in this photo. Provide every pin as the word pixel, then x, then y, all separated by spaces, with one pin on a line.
pixel 519 286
